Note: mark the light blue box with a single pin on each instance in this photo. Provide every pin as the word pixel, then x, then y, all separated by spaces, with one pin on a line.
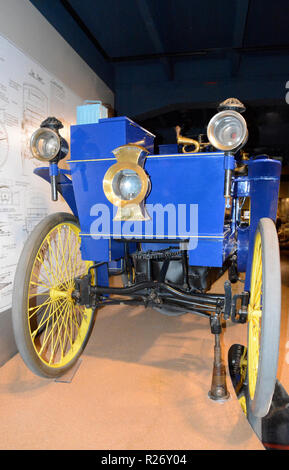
pixel 90 112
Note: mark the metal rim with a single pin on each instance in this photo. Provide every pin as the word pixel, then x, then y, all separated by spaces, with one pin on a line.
pixel 211 135
pixel 35 135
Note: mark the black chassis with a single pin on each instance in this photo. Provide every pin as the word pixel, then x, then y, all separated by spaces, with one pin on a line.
pixel 151 292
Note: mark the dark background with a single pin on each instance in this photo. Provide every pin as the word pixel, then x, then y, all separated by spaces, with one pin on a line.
pixel 171 62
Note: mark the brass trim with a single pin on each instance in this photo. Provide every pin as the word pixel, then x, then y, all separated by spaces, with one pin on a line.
pixel 129 157
pixel 90 160
pixel 209 154
pixel 162 237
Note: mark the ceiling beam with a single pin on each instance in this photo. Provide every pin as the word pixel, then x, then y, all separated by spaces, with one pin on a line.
pixel 239 31
pixel 214 51
pixel 84 28
pixel 155 37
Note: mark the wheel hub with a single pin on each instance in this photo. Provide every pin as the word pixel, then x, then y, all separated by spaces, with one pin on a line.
pixel 56 294
pixel 254 314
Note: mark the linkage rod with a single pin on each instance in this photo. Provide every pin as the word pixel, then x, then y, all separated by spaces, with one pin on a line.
pixel 175 292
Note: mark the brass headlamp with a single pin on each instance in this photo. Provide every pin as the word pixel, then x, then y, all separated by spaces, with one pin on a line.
pixel 126 184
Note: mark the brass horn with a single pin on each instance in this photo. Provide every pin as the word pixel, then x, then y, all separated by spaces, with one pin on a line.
pixel 187 142
pixel 199 144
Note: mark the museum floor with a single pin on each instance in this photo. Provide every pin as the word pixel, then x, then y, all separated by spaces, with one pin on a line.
pixel 142 384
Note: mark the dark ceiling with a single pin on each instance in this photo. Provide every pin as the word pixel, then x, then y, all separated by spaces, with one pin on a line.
pixel 141 29
pixel 138 28
pixel 171 61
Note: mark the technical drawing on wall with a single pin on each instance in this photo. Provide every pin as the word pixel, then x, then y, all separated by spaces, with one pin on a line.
pixel 35 110
pixel 8 197
pixel 36 210
pixel 28 95
pixel 4 144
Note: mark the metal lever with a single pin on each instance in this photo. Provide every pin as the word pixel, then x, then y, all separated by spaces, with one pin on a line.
pixel 218 391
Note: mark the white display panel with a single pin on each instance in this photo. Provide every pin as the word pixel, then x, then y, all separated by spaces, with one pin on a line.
pixel 28 94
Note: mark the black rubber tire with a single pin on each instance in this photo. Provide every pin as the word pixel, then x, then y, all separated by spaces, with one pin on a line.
pixel 270 325
pixel 20 296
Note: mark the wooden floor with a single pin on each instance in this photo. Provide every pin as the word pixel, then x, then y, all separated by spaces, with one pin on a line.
pixel 283 371
pixel 142 384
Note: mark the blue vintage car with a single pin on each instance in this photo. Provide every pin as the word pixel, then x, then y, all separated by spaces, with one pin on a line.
pixel 170 221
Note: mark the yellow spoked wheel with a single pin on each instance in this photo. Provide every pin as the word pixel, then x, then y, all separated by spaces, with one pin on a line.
pixel 263 319
pixel 51 329
pixel 255 316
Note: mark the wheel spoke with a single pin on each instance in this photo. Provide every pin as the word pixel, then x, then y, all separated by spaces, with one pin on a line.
pixel 42 321
pixel 59 327
pixel 48 272
pixel 51 332
pixel 38 307
pixel 38 284
pixel 65 332
pixel 58 269
pixel 46 329
pixel 63 259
